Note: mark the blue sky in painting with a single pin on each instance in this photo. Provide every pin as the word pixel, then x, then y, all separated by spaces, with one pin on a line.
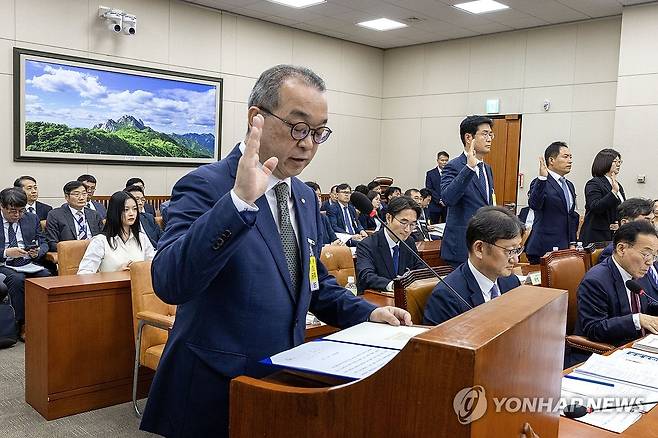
pixel 83 97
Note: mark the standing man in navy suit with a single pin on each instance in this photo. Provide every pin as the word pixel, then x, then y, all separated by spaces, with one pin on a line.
pixel 552 197
pixel 342 214
pixel 21 242
pixel 466 185
pixel 241 260
pixel 433 184
pixel 493 239
pixel 380 258
pixel 31 189
pixel 607 310
pixel 89 181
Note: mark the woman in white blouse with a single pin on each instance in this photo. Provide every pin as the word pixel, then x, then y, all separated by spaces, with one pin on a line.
pixel 121 242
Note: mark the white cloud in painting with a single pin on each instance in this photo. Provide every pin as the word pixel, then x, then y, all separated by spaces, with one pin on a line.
pixel 62 80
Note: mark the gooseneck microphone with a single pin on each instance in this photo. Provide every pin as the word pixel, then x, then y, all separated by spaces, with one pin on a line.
pixel 576 411
pixel 364 205
pixel 635 287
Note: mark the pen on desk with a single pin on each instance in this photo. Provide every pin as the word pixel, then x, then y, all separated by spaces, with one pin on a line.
pixel 569 376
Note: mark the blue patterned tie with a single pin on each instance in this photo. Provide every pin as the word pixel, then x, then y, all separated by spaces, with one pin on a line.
pixel 82 232
pixel 495 292
pixel 483 180
pixel 567 193
pixel 13 243
pixel 396 259
pixel 288 239
pixel 348 221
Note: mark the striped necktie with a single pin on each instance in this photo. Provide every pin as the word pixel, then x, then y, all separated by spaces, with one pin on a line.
pixel 82 226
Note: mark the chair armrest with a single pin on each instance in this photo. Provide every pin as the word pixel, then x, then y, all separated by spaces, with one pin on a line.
pixel 582 343
pixel 156 319
pixel 51 257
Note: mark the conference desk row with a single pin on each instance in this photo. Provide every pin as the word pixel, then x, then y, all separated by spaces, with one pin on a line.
pixel 80 349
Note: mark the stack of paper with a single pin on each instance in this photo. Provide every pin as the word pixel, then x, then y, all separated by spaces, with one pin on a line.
pixel 353 353
pixel 649 343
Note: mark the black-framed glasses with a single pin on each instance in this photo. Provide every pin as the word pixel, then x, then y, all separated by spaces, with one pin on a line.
pixel 406 224
pixel 300 130
pixel 514 252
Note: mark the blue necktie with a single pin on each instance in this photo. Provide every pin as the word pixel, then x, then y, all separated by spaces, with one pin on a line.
pixel 396 258
pixel 13 243
pixel 348 222
pixel 483 180
pixel 82 232
pixel 567 193
pixel 495 292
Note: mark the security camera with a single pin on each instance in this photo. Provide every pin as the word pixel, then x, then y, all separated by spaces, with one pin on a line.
pixel 129 24
pixel 113 16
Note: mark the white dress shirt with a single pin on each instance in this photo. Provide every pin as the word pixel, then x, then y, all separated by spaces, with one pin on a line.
pixel 625 276
pixel 32 205
pixel 100 257
pixel 618 194
pixel 75 212
pixel 484 282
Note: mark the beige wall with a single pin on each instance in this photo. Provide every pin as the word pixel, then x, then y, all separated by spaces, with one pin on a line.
pixel 428 89
pixel 180 37
pixel 636 115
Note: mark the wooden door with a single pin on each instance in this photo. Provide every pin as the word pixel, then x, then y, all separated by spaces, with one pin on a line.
pixel 504 158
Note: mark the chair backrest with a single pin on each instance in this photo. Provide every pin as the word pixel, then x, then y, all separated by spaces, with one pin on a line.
pixel 412 290
pixel 43 225
pixel 565 269
pixel 69 255
pixel 595 249
pixel 384 181
pixel 145 299
pixel 339 262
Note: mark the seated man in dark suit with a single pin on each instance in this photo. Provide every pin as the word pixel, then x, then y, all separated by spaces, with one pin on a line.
pixel 90 184
pixel 391 193
pixel 73 220
pixel 22 242
pixel 332 199
pixel 29 186
pixel 609 312
pixel 493 239
pixel 380 258
pixel 140 182
pixel 630 210
pixel 342 215
pixel 146 220
pixel 328 234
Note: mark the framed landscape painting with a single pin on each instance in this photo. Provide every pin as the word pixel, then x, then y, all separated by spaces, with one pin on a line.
pixel 80 110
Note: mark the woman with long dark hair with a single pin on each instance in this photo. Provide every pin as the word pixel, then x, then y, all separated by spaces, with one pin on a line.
pixel 603 193
pixel 121 242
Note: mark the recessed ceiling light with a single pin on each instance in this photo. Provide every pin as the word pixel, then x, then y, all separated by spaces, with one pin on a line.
pixel 481 6
pixel 382 24
pixel 298 3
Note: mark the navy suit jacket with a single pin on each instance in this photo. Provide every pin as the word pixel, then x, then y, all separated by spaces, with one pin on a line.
pixel 600 210
pixel 433 184
pixel 328 234
pixel 31 231
pixel 554 225
pixel 227 273
pixel 604 312
pixel 150 228
pixel 461 192
pixel 374 262
pixel 336 217
pixel 443 304
pixel 607 252
pixel 42 210
pixel 100 208
pixel 325 205
pixel 149 208
pixel 60 225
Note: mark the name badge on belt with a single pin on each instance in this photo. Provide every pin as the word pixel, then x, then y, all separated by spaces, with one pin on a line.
pixel 313 267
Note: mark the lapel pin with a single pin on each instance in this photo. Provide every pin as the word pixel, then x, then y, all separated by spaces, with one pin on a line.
pixel 303 201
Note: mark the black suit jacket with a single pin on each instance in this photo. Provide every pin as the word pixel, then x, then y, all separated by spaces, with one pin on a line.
pixel 42 210
pixel 600 210
pixel 60 225
pixel 374 263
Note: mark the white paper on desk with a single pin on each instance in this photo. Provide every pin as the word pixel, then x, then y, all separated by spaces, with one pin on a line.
pixel 621 369
pixel 334 358
pixel 30 268
pixel 343 237
pixel 374 334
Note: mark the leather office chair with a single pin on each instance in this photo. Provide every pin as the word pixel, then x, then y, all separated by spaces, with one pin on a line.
pixel 339 262
pixel 565 269
pixel 152 320
pixel 595 249
pixel 384 181
pixel 412 290
pixel 69 255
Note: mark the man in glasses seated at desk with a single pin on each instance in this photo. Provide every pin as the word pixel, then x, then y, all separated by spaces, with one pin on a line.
pixel 380 257
pixel 493 238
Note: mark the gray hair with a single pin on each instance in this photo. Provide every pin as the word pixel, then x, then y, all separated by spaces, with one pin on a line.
pixel 266 91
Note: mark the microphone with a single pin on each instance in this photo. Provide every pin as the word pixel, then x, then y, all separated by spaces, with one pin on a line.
pixel 364 205
pixel 635 287
pixel 574 411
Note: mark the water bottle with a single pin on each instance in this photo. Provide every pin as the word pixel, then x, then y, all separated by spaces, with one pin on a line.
pixel 351 286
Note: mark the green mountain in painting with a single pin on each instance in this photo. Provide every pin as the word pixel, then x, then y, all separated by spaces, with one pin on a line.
pixel 127 136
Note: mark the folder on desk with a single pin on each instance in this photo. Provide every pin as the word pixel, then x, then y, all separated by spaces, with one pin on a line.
pixel 352 353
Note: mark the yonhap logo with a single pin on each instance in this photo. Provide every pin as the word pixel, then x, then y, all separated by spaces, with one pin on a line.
pixel 470 404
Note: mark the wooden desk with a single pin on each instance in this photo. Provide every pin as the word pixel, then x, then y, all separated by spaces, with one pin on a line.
pixel 645 427
pixel 431 252
pixel 80 348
